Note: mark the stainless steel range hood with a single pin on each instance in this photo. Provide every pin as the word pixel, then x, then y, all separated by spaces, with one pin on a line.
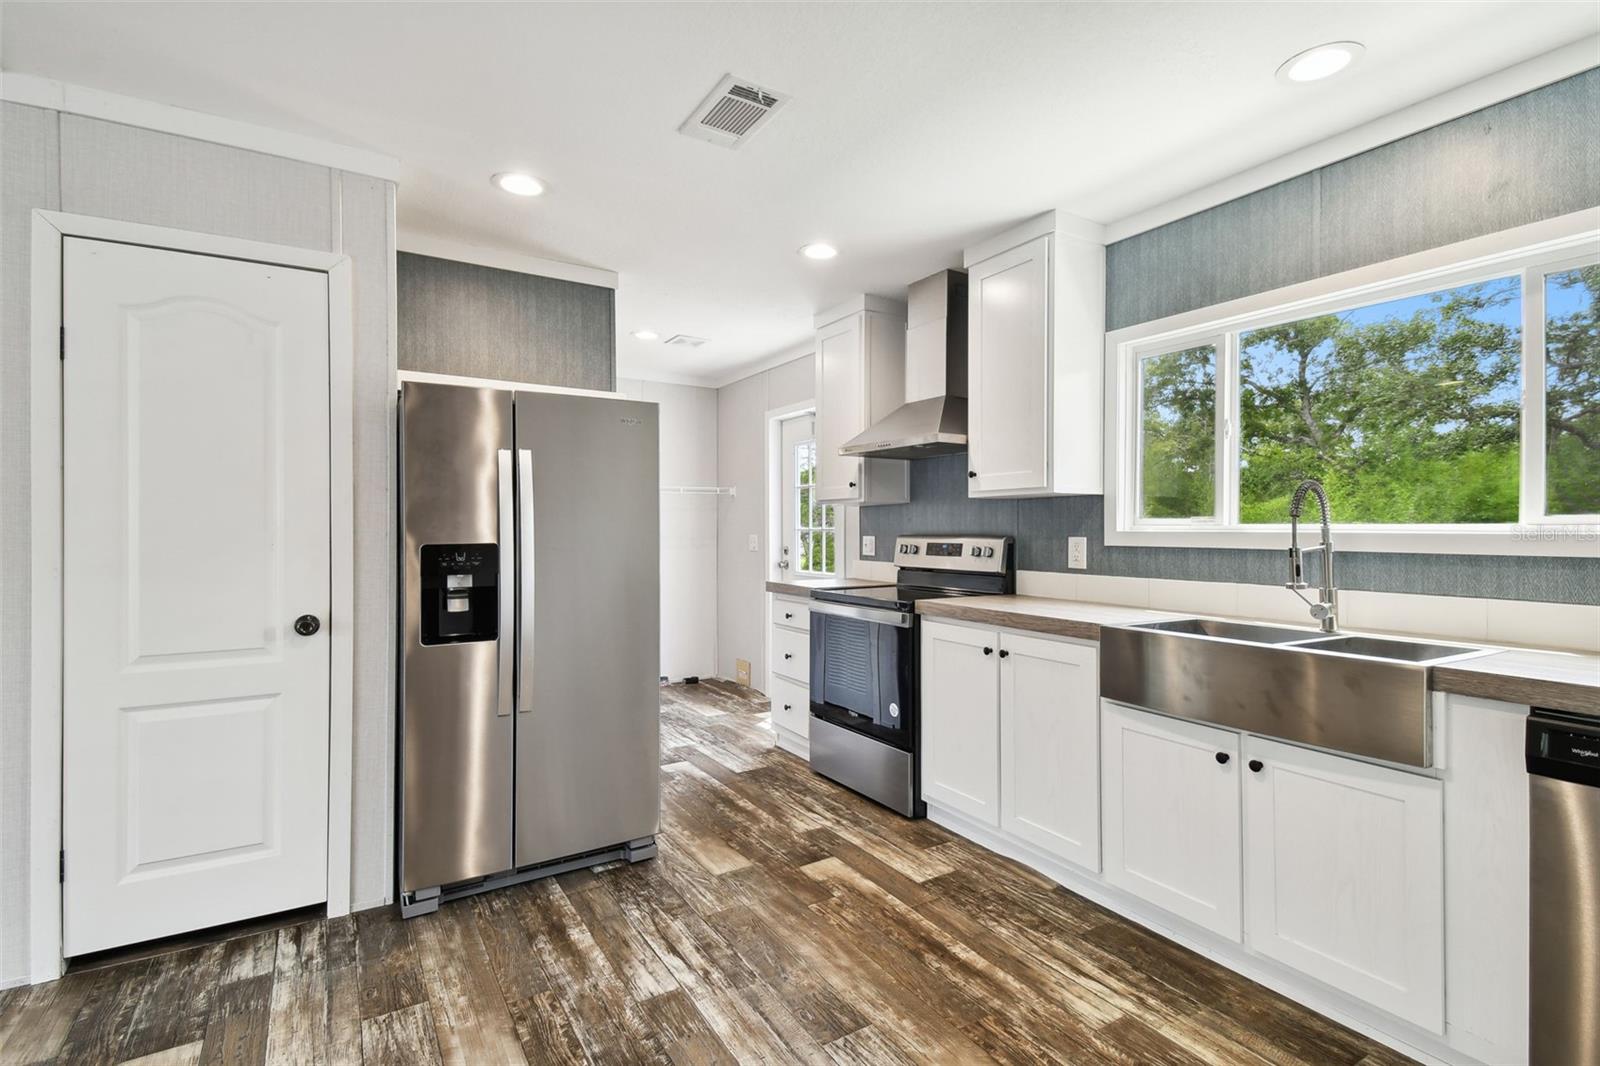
pixel 933 420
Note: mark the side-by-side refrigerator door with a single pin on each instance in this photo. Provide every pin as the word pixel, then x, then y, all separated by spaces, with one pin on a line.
pixel 588 734
pixel 457 643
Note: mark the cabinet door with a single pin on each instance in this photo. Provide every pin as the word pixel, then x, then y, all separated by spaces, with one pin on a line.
pixel 841 408
pixel 1050 746
pixel 1171 815
pixel 1008 372
pixel 1345 867
pixel 961 720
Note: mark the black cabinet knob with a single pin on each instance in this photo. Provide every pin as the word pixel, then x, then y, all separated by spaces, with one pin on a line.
pixel 852 484
pixel 1256 766
pixel 307 625
pixel 972 473
pixel 788 706
pixel 1004 653
pixel 988 651
pixel 1222 758
pixel 788 614
pixel 788 655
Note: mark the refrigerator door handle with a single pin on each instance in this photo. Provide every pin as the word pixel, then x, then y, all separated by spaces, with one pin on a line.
pixel 508 615
pixel 525 576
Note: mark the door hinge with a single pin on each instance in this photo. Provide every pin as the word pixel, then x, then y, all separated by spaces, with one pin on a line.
pixel 63 867
pixel 63 344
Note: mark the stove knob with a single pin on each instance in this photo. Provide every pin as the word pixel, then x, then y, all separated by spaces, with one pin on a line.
pixel 913 548
pixel 976 551
pixel 988 553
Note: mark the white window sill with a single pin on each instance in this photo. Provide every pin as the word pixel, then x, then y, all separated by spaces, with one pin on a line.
pixel 1571 540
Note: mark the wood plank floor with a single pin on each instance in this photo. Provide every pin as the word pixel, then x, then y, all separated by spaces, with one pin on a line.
pixel 786 920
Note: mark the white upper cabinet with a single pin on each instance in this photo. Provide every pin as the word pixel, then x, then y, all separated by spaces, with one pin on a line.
pixel 961 719
pixel 1344 871
pixel 1050 746
pixel 861 367
pixel 1035 354
pixel 1171 815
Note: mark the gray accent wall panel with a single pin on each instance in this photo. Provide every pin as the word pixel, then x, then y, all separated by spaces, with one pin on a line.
pixel 139 175
pixel 939 504
pixel 462 318
pixel 1532 157
pixel 29 168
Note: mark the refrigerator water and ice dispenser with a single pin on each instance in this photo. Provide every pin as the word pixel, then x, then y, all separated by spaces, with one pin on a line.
pixel 460 595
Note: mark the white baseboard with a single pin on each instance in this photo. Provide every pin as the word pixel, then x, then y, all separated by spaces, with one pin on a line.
pixel 793 743
pixel 1391 1032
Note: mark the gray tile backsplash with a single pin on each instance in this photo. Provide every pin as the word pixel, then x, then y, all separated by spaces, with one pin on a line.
pixel 939 504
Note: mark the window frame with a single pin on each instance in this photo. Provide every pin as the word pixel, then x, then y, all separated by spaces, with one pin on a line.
pixel 802 526
pixel 1530 252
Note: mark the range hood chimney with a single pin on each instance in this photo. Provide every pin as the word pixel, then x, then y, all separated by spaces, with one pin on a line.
pixel 933 420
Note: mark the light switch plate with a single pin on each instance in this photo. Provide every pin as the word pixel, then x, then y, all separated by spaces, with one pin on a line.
pixel 1077 553
pixel 869 547
pixel 754 543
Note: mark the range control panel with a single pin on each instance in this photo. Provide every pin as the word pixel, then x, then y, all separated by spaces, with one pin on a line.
pixel 981 555
pixel 460 598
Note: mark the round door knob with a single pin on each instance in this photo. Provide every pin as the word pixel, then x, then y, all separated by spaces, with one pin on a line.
pixel 1222 758
pixel 307 625
pixel 988 651
pixel 972 473
pixel 1256 766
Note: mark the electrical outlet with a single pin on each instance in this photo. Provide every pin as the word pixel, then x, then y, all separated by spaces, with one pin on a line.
pixel 754 543
pixel 741 671
pixel 1077 553
pixel 869 547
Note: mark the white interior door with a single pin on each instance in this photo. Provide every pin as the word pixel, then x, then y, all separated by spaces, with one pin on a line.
pixel 196 525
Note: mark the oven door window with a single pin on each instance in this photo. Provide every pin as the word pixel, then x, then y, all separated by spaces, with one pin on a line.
pixel 861 676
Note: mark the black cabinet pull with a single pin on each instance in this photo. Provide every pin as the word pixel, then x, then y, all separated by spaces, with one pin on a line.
pixel 788 706
pixel 988 651
pixel 1004 653
pixel 788 655
pixel 788 614
pixel 1222 757
pixel 1256 766
pixel 972 473
pixel 852 484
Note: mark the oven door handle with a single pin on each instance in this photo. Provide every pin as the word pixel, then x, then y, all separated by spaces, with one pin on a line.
pixel 898 619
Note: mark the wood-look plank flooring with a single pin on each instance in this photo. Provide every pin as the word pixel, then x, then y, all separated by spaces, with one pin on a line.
pixel 785 920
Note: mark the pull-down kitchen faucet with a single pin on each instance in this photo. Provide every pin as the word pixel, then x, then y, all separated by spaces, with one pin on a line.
pixel 1326 609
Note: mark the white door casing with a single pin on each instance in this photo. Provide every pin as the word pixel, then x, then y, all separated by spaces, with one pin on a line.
pixel 196 514
pixel 1050 746
pixel 1172 832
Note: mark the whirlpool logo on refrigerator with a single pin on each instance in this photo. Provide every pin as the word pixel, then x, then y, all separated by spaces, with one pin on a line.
pixel 631 421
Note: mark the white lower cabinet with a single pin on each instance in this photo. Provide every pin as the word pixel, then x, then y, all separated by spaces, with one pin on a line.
pixel 1050 746
pixel 961 720
pixel 1344 872
pixel 791 706
pixel 789 672
pixel 1170 810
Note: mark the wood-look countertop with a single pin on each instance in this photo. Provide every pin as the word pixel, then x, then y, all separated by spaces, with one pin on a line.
pixel 1566 681
pixel 804 586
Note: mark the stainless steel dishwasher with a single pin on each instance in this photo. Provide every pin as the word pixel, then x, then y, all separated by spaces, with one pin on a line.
pixel 1563 756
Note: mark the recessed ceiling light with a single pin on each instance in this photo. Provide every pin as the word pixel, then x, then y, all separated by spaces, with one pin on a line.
pixel 519 184
pixel 819 250
pixel 647 334
pixel 1323 61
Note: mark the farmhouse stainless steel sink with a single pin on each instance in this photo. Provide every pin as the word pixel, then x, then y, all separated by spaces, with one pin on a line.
pixel 1361 695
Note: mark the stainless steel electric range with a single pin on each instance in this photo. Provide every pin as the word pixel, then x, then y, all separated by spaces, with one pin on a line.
pixel 865 710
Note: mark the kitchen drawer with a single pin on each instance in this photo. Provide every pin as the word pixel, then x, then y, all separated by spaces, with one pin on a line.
pixel 791 654
pixel 792 614
pixel 791 706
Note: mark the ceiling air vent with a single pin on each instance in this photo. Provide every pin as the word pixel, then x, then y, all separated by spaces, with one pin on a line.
pixel 736 108
pixel 683 340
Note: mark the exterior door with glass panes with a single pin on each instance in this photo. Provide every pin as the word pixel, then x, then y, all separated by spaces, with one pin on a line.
pixel 807 546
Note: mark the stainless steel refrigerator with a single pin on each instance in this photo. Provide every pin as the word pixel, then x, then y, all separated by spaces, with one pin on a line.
pixel 529 637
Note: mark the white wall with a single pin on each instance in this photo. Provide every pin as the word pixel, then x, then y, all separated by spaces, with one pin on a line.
pixel 688 525
pixel 88 166
pixel 742 463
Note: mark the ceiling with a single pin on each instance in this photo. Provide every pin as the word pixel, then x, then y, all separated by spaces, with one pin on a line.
pixel 912 129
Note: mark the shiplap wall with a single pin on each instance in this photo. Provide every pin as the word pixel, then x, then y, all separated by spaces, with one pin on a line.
pixel 88 166
pixel 1532 157
pixel 482 322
